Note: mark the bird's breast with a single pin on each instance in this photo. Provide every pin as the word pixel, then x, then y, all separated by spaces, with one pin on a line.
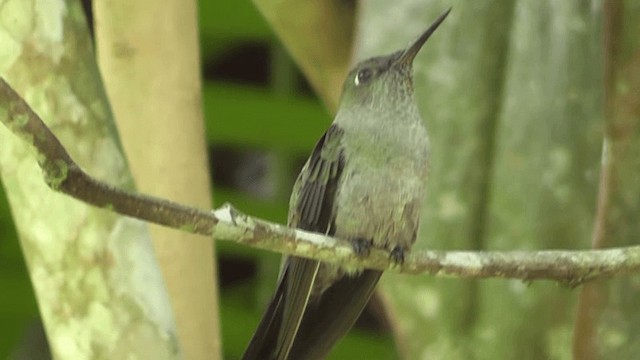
pixel 381 192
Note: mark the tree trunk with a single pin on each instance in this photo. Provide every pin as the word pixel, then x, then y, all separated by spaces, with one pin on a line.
pixel 97 282
pixel 149 58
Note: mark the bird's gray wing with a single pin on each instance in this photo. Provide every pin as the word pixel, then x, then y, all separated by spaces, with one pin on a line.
pixel 311 208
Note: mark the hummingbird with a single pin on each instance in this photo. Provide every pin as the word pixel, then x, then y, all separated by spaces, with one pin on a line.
pixel 363 182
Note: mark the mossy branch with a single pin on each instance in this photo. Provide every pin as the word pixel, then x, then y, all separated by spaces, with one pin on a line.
pixel 62 174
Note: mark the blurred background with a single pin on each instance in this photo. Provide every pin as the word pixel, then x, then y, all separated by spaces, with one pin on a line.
pixel 262 120
pixel 522 98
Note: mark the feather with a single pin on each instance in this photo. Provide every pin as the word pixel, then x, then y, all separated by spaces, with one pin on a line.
pixel 312 209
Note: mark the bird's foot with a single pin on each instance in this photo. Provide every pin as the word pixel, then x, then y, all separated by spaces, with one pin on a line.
pixel 397 255
pixel 361 246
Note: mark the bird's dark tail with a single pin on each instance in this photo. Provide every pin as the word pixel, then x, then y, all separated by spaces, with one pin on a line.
pixel 279 324
pixel 268 329
pixel 331 318
pixel 325 321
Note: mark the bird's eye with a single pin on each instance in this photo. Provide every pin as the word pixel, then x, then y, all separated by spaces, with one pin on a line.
pixel 363 76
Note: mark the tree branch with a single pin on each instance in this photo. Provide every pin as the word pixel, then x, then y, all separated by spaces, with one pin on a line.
pixel 62 174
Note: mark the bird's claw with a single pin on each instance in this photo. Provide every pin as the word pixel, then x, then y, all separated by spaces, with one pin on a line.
pixel 361 246
pixel 397 255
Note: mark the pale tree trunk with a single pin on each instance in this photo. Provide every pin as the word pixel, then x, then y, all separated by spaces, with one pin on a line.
pixel 98 285
pixel 512 93
pixel 149 59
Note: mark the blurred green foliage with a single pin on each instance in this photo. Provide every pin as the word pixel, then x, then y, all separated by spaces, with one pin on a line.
pixel 17 302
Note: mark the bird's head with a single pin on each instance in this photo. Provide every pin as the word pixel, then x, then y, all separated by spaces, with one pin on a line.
pixel 377 81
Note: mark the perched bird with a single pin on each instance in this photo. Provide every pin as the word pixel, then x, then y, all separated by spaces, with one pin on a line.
pixel 364 182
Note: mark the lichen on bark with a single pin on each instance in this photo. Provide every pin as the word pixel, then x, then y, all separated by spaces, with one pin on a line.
pixel 98 286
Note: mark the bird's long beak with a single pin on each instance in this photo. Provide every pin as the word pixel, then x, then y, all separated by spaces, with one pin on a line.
pixel 410 53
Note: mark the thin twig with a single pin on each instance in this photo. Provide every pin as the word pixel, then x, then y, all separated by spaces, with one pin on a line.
pixel 226 223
